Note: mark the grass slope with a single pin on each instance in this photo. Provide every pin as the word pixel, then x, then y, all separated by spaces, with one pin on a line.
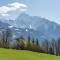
pixel 9 54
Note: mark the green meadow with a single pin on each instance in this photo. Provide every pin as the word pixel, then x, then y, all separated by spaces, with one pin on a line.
pixel 12 54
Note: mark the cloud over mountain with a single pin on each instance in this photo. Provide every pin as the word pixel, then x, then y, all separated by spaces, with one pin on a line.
pixel 12 7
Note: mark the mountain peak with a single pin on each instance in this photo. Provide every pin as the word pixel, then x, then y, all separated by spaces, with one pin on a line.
pixel 23 15
pixel 40 27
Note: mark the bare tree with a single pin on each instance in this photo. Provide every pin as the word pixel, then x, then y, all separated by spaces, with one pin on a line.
pixel 6 37
pixel 58 47
pixel 45 46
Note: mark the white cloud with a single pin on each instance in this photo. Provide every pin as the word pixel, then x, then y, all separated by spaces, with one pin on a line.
pixel 18 5
pixel 12 7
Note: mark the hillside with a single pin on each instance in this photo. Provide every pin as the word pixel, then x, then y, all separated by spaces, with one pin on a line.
pixel 9 54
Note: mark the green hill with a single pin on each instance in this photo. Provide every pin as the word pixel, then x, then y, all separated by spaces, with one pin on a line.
pixel 9 54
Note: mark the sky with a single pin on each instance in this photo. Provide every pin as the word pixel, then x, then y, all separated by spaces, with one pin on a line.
pixel 49 9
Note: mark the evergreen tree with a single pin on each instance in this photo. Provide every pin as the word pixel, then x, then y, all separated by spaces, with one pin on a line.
pixel 51 50
pixel 37 46
pixel 33 40
pixel 37 42
pixel 33 44
pixel 29 43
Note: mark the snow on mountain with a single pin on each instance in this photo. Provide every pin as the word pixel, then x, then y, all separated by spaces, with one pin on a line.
pixel 34 26
pixel 45 28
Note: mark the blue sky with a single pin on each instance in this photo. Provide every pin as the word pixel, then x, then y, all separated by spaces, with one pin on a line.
pixel 49 9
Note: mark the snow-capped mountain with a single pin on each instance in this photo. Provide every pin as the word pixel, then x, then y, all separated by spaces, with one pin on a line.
pixel 45 28
pixel 34 26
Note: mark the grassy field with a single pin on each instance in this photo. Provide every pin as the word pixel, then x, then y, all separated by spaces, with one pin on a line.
pixel 9 54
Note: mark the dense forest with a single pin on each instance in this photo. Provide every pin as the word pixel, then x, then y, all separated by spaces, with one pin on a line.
pixel 32 44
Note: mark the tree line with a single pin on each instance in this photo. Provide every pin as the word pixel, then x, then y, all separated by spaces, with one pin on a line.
pixel 32 44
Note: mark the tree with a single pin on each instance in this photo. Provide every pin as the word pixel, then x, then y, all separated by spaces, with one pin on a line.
pixel 51 50
pixel 37 42
pixel 29 43
pixel 33 45
pixel 21 43
pixel 8 37
pixel 45 46
pixel 33 40
pixel 37 46
pixel 1 42
pixel 3 38
pixel 13 44
pixel 58 47
pixel 53 47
